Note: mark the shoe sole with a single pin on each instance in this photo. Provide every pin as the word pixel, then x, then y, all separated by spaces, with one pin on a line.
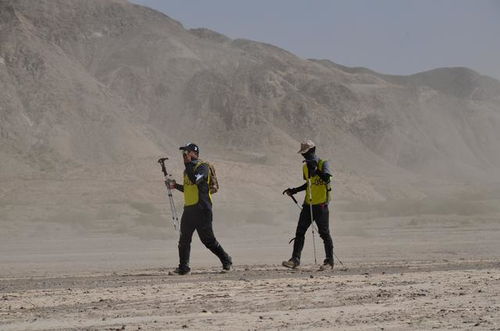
pixel 171 273
pixel 324 268
pixel 288 266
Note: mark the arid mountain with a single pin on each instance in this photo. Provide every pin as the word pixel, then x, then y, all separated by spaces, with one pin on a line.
pixel 100 88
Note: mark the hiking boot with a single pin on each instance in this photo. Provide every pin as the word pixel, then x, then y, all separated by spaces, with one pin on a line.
pixel 292 263
pixel 327 264
pixel 182 271
pixel 227 265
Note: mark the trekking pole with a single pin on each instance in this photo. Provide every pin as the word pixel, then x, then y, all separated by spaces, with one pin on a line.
pixel 312 219
pixel 295 200
pixel 313 225
pixel 175 219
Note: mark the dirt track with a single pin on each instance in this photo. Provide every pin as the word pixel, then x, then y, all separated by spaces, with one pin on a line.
pixel 420 295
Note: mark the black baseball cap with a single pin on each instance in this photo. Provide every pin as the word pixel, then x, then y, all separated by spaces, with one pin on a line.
pixel 190 147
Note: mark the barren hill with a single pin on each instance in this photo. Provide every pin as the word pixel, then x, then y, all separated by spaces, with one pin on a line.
pixel 92 92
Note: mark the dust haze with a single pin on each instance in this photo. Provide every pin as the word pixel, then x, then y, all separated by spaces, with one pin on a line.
pixel 93 92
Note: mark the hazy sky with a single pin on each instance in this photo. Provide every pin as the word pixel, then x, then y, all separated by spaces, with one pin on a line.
pixel 389 36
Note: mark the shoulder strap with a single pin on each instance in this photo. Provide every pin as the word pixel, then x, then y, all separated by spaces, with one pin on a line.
pixel 200 162
pixel 320 164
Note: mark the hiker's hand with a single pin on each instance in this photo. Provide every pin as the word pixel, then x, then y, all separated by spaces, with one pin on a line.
pixel 288 192
pixel 170 183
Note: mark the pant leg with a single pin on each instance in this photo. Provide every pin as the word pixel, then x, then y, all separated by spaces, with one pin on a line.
pixel 188 225
pixel 302 226
pixel 321 217
pixel 207 237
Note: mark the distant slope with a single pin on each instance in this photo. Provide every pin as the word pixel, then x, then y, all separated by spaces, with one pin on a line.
pixel 86 83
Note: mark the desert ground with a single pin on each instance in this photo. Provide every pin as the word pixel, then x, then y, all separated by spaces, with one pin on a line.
pixel 391 296
pixel 406 272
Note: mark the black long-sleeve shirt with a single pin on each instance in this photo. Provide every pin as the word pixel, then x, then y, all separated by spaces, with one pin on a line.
pixel 198 176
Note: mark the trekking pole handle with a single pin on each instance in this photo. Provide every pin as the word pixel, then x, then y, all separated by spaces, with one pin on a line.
pixel 161 161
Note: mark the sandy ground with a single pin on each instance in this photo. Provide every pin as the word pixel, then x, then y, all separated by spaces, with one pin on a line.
pixel 404 271
pixel 392 296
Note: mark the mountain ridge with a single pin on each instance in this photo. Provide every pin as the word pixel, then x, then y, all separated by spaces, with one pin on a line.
pixel 90 82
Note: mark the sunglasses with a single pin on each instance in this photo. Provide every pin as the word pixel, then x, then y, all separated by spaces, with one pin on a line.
pixel 185 152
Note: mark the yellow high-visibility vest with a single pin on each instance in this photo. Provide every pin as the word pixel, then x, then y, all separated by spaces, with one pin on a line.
pixel 191 193
pixel 319 189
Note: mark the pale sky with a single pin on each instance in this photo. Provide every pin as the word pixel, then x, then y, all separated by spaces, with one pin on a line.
pixel 389 36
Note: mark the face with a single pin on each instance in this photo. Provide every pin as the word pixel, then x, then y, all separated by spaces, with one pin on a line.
pixel 309 154
pixel 188 156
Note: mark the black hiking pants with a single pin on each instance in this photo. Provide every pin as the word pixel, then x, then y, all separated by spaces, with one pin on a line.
pixel 320 215
pixel 196 218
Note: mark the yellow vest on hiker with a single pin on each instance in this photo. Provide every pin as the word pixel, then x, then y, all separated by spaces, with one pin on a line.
pixel 319 189
pixel 191 193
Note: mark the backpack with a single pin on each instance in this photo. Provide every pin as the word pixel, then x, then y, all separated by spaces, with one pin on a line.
pixel 213 183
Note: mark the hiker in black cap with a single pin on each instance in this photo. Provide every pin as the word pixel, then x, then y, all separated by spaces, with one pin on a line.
pixel 317 187
pixel 197 213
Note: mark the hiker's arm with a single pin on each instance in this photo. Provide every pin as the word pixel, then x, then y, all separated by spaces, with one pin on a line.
pixel 198 175
pixel 298 189
pixel 201 174
pixel 179 187
pixel 324 174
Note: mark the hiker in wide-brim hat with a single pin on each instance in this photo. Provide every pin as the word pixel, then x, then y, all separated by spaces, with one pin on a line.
pixel 317 175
